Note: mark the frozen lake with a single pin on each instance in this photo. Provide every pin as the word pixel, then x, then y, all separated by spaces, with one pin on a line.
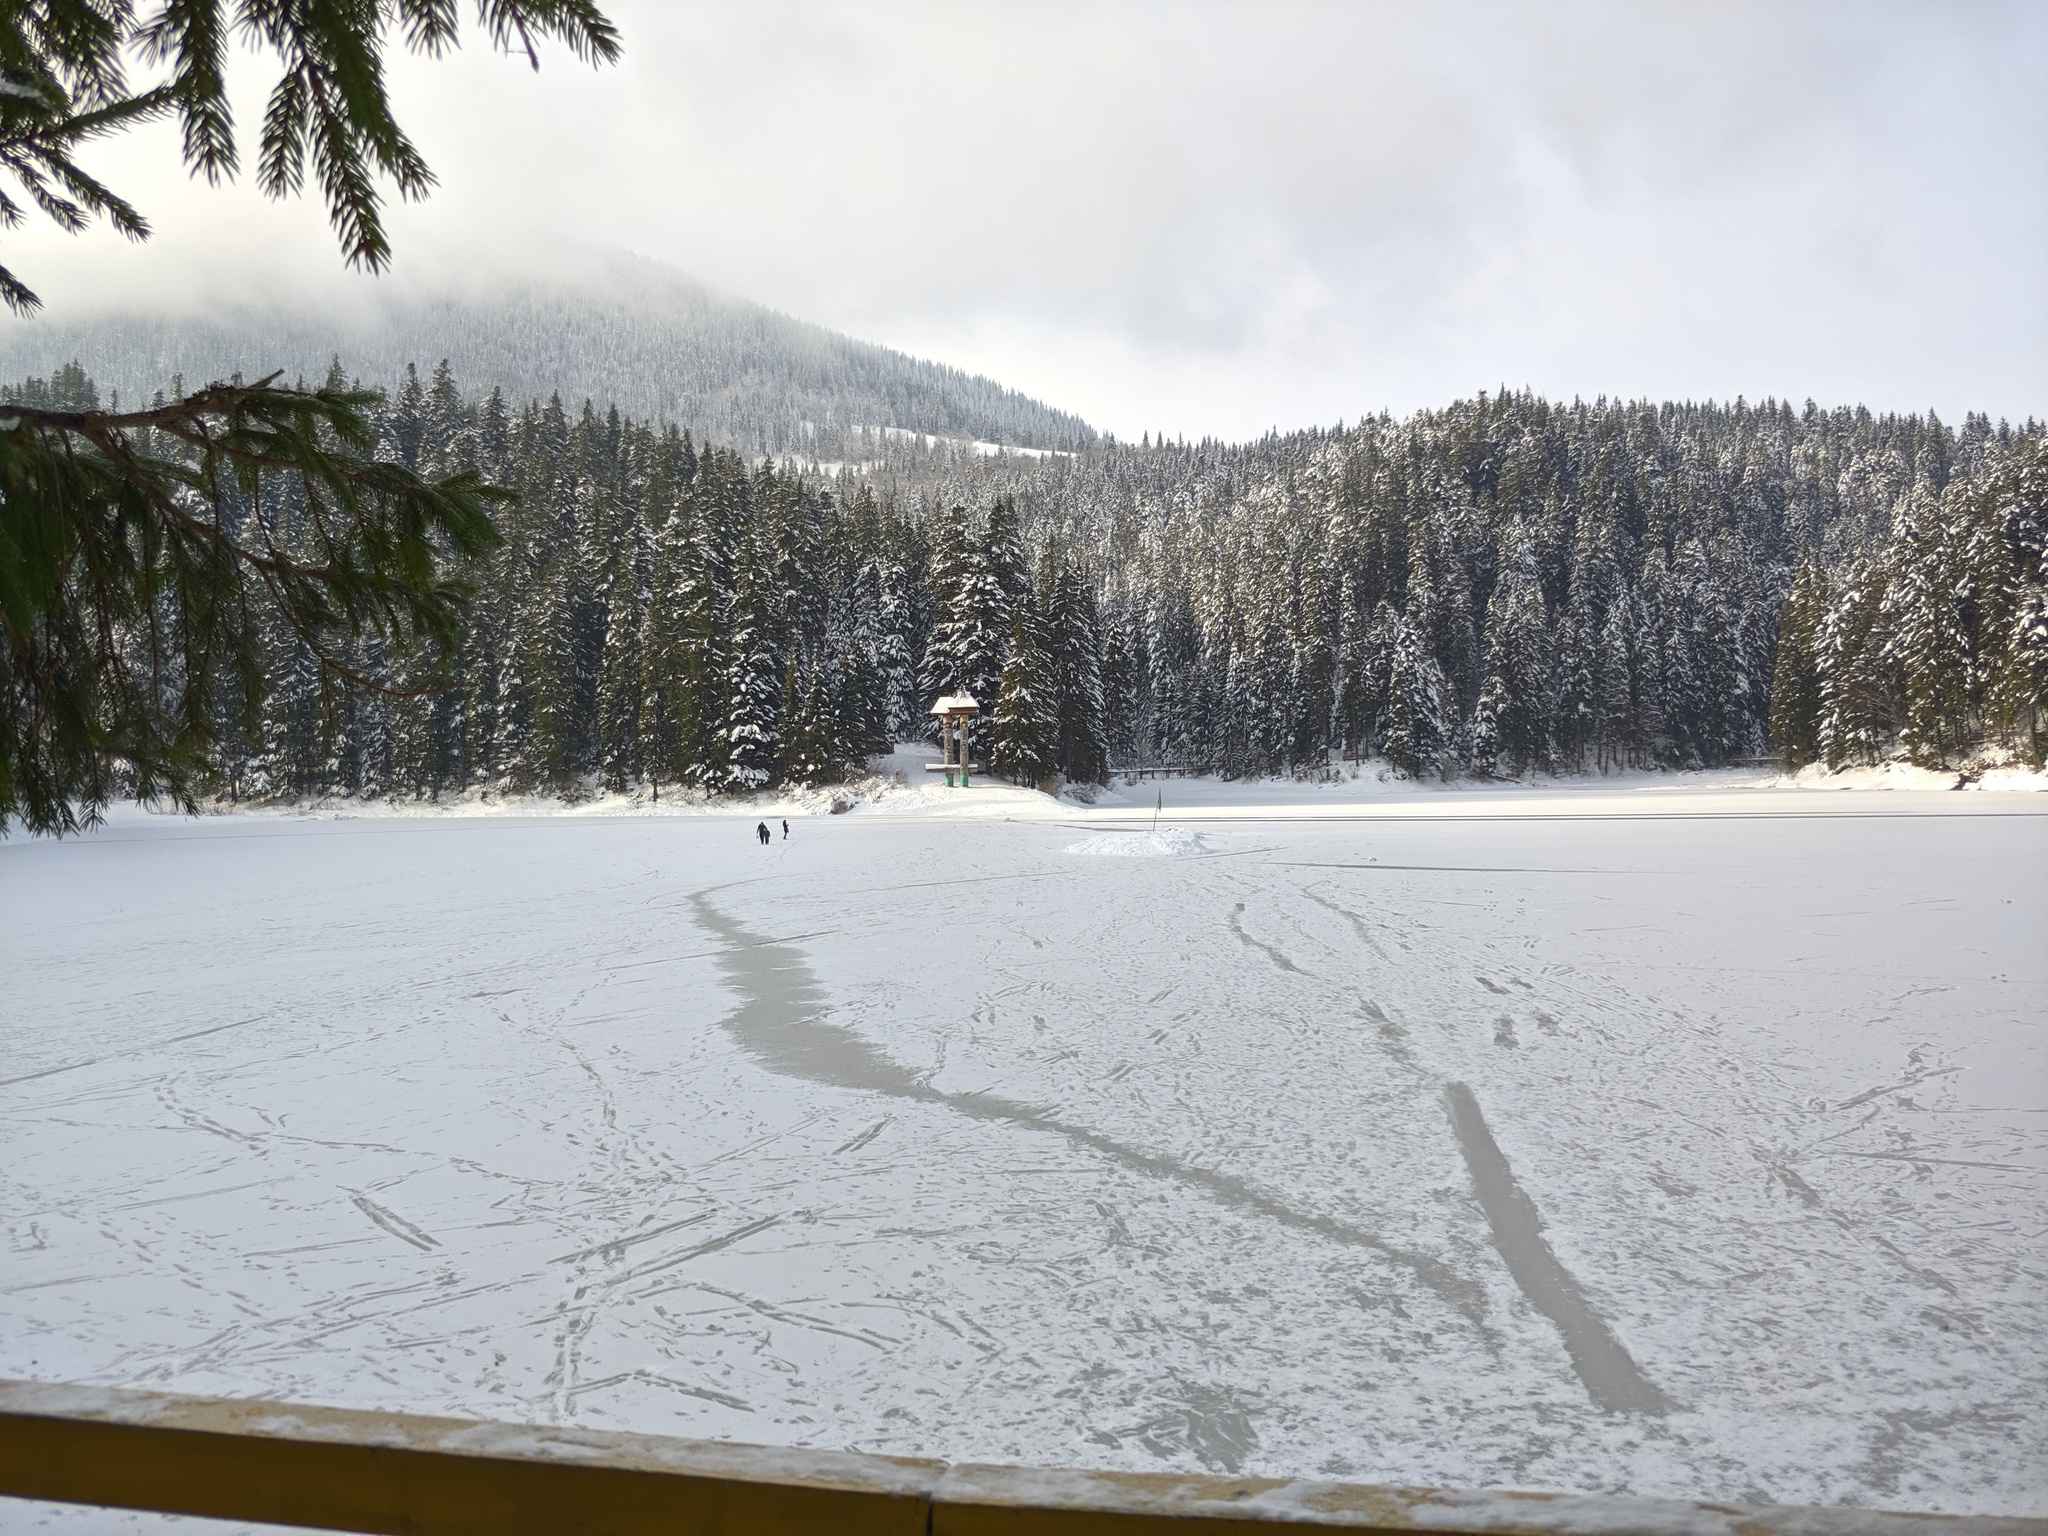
pixel 1666 1140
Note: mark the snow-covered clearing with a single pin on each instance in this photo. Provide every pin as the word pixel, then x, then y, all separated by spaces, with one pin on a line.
pixel 1668 1137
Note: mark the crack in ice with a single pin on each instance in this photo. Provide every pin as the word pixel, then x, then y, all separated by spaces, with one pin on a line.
pixel 780 1023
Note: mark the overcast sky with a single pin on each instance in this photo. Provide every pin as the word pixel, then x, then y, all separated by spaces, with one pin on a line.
pixel 1211 219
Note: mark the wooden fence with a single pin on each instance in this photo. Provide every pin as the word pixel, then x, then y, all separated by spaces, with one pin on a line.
pixel 348 1470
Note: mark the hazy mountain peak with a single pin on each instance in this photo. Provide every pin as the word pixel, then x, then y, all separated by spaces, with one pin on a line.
pixel 622 330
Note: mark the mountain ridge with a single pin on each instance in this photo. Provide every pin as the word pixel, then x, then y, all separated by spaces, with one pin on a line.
pixel 649 339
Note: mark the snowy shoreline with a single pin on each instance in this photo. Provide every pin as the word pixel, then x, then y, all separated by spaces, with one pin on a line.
pixel 898 785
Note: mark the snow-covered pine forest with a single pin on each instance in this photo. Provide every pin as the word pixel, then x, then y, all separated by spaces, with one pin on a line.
pixel 1503 586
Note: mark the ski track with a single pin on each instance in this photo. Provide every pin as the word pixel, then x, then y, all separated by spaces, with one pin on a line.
pixel 1416 1153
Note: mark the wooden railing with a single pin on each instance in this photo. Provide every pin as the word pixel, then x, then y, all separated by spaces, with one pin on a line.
pixel 347 1470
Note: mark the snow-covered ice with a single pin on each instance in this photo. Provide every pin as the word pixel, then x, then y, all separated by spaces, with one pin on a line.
pixel 1169 843
pixel 1670 1138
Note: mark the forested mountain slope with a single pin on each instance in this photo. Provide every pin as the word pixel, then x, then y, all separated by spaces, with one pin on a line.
pixel 646 338
pixel 1509 584
pixel 1501 586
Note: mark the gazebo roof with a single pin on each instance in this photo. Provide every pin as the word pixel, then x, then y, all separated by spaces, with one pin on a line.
pixel 957 704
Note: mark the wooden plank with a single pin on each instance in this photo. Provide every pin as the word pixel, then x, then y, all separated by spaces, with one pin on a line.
pixel 410 1475
pixel 1011 1501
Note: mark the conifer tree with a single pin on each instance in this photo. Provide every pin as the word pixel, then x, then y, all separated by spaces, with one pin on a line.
pixel 1122 684
pixel 622 680
pixel 1859 712
pixel 1312 670
pixel 1795 680
pixel 1929 643
pixel 970 635
pixel 810 735
pixel 1418 734
pixel 1617 731
pixel 1006 562
pixel 1578 689
pixel 1515 701
pixel 2014 581
pixel 1071 628
pixel 753 719
pixel 1025 733
pixel 553 683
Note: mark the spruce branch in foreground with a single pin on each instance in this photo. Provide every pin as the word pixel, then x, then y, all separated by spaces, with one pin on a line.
pixel 63 83
pixel 142 554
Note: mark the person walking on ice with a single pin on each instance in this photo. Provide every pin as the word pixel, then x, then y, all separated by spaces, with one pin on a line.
pixel 761 831
pixel 785 829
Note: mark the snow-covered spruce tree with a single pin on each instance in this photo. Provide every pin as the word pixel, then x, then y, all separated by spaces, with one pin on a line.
pixel 753 725
pixel 403 422
pixel 894 668
pixel 971 620
pixel 1071 634
pixel 946 576
pixel 1653 656
pixel 295 759
pixel 1795 682
pixel 1312 668
pixel 1929 643
pixel 1860 699
pixel 1122 688
pixel 1618 735
pixel 448 436
pixel 1487 750
pixel 2015 556
pixel 1511 726
pixel 555 683
pixel 1706 684
pixel 688 651
pixel 857 701
pixel 809 752
pixel 1024 736
pixel 1368 667
pixel 1594 591
pixel 1578 689
pixel 860 708
pixel 1005 543
pixel 1996 514
pixel 415 763
pixel 1258 693
pixel 1418 734
pixel 622 674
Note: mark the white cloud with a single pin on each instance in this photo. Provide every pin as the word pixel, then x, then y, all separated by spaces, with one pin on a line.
pixel 1215 218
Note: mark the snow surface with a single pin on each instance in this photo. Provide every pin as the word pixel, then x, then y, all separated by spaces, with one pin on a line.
pixel 1672 1137
pixel 1171 843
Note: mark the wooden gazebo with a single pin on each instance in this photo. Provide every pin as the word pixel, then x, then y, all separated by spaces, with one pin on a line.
pixel 955 713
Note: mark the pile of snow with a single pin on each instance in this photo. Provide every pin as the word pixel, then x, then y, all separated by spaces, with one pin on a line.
pixel 1172 843
pixel 1983 771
